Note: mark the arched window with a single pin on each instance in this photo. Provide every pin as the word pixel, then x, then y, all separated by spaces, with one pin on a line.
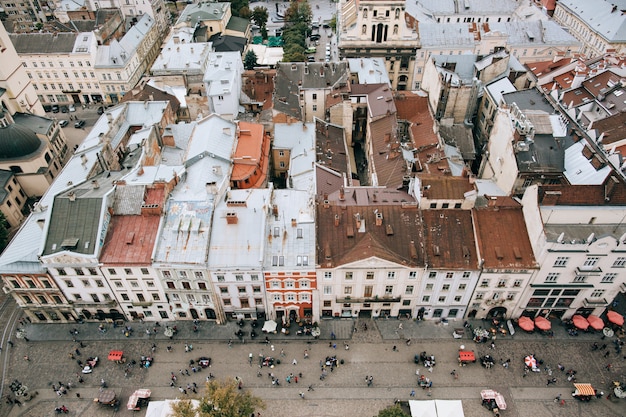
pixel 397 13
pixel 395 29
pixel 364 30
pixel 364 13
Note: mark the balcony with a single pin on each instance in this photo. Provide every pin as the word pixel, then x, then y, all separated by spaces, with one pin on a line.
pixel 594 302
pixel 352 300
pixel 588 271
pixel 141 304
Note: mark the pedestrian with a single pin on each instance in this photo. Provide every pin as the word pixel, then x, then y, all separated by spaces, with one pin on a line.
pixel 294 361
pixel 17 402
pixel 454 374
pixel 302 395
pixel 608 367
pixel 78 395
pixel 395 348
pixel 332 336
pixel 26 358
pixel 282 353
pixel 181 389
pixel 26 339
pixel 557 398
pixel 412 393
pixel 77 352
pixel 187 372
pixel 551 381
pixel 306 354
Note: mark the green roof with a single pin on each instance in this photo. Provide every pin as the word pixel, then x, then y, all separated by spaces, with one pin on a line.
pixel 238 24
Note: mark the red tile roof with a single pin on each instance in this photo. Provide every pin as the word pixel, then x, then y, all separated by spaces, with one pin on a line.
pixel 130 240
pixel 449 239
pixel 445 187
pixel 397 239
pixel 503 238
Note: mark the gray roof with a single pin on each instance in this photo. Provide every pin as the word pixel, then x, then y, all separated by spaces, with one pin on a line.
pixel 43 43
pixel 543 32
pixel 291 77
pixel 200 12
pixel 38 124
pixel 545 154
pixel 118 53
pixel 530 99
pixel 482 7
pixel 463 67
pixel 438 35
pixel 599 16
pixel 369 70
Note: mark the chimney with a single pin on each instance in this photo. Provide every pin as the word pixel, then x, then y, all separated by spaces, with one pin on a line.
pixel 379 219
pixel 342 194
pixel 336 220
pixel 231 218
pixel 294 222
pixel 95 184
pixel 72 196
pixel 326 204
pixel 275 210
pixel 358 221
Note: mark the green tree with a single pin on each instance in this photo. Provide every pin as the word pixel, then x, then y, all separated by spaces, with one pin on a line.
pixel 333 23
pixel 249 61
pixel 220 399
pixel 245 12
pixel 393 411
pixel 299 12
pixel 4 231
pixel 264 33
pixel 237 5
pixel 260 16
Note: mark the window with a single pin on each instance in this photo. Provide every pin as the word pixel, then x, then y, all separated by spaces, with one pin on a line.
pixel 238 277
pixel 277 297
pixel 591 261
pixel 502 283
pixel 429 287
pixel 156 297
pixel 118 284
pixel 170 285
pixel 484 283
pixel 466 274
pixel 226 301
pixel 241 290
pixel 445 287
pixel 182 274
pixel 254 277
pixel 348 276
pixel 256 290
pixel 46 283
pixel 480 295
pixel 389 290
pixel 61 271
pixel 86 283
pixel 150 284
pixel 134 284
pixel 409 290
pixel 619 262
pixel 202 286
pixel 144 271
pixel 608 278
pixel 552 277
pixel 597 293
pixel 304 284
pixel 128 271
pixel 99 283
pixel 561 261
pixel 579 278
pixel 112 271
pixel 369 275
pixel 289 284
pixel 125 297
pixel 141 298
pixel 275 284
pixel 391 275
pixel 432 274
pixel 517 283
pixel 462 287
pixel 186 285
pixel 220 278
pixel 79 271
pixel 347 290
pixel 95 298
pixel 449 275
pixel 304 297
pixel 412 274
pixel 426 299
pixel 328 275
pixel 441 299
pixel 92 271
pixel 167 274
pixel 457 299
pixel 328 289
pixel 223 290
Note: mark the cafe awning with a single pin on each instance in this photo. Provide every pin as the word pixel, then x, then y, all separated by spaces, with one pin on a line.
pixel 584 389
pixel 543 323
pixel 580 322
pixel 595 322
pixel 526 323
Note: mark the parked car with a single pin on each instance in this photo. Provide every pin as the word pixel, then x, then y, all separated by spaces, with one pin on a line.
pixel 79 124
pixel 72 108
pixel 315 37
pixel 64 109
pixel 55 108
pixel 310 50
pixel 310 58
pixel 63 123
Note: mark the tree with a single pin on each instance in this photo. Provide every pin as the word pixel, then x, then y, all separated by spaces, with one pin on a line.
pixel 299 12
pixel 393 411
pixel 220 399
pixel 249 61
pixel 260 16
pixel 237 5
pixel 4 231
pixel 333 23
pixel 245 12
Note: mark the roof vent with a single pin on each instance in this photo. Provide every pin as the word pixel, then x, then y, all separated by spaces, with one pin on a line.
pixel 499 253
pixel 389 230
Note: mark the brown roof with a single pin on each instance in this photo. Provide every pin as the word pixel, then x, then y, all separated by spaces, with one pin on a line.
pixel 379 98
pixel 130 240
pixel 327 181
pixel 259 86
pixel 601 81
pixel 612 127
pixel 613 192
pixel 503 238
pixel 544 67
pixel 153 94
pixel 251 160
pixel 388 160
pixel 449 239
pixel 397 239
pixel 576 97
pixel 444 187
pixel 331 147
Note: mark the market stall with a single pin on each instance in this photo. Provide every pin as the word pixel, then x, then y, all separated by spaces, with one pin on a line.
pixel 138 399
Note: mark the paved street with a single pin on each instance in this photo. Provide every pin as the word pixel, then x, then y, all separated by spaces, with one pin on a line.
pixel 342 393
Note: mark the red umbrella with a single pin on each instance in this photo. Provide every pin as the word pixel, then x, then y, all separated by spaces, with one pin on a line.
pixel 543 323
pixel 595 322
pixel 580 322
pixel 615 318
pixel 526 323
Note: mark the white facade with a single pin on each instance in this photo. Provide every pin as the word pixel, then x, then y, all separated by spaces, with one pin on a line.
pixel 446 294
pixel 222 83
